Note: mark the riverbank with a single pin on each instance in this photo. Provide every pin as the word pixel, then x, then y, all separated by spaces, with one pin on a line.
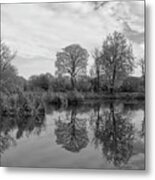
pixel 73 98
pixel 118 95
pixel 34 102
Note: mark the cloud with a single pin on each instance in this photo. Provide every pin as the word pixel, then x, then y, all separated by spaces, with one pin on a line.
pixel 40 30
pixel 33 66
pixel 133 35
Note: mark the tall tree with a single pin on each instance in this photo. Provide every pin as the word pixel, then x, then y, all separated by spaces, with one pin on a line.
pixel 6 57
pixel 72 61
pixel 97 66
pixel 7 71
pixel 117 58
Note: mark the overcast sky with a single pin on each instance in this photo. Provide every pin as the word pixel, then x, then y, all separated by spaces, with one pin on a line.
pixel 38 31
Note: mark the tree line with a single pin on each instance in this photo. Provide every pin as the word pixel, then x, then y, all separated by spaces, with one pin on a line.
pixel 111 71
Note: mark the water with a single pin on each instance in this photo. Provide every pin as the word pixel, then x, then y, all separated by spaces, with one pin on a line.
pixel 107 135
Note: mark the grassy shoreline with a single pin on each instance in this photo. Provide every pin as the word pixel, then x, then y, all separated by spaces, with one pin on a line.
pixel 73 98
pixel 34 103
pixel 118 95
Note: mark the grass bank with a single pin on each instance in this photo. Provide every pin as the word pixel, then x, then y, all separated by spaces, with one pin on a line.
pixel 65 99
pixel 22 104
pixel 32 103
pixel 75 98
pixel 120 95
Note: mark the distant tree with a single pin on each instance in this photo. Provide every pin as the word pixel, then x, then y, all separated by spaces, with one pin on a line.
pixel 132 84
pixel 72 61
pixel 117 58
pixel 41 82
pixel 61 84
pixel 44 82
pixel 23 83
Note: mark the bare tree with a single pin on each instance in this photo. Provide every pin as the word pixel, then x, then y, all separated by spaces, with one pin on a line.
pixel 117 58
pixel 72 61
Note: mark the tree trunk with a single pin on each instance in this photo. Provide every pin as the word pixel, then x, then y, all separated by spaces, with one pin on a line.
pixel 113 80
pixel 98 81
pixel 73 119
pixel 111 90
pixel 114 132
pixel 73 82
pixel 98 117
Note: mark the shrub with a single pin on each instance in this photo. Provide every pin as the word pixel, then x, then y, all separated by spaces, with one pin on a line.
pixel 64 99
pixel 132 84
pixel 74 97
pixel 55 98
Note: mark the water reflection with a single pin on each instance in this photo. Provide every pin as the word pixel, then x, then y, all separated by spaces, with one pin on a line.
pixel 116 134
pixel 26 124
pixel 143 127
pixel 5 141
pixel 113 130
pixel 71 135
pixel 29 125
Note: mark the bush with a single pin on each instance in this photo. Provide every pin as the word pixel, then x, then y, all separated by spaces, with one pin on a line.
pixel 74 97
pixel 22 104
pixel 132 84
pixel 55 98
pixel 64 99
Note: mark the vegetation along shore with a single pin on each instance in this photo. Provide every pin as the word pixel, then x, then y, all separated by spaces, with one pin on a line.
pixel 110 77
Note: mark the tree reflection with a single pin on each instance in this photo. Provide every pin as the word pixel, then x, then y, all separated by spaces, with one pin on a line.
pixel 143 127
pixel 5 142
pixel 25 124
pixel 29 124
pixel 115 133
pixel 7 123
pixel 72 135
pixel 98 124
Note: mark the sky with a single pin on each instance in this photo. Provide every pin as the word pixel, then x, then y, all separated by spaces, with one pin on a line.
pixel 38 31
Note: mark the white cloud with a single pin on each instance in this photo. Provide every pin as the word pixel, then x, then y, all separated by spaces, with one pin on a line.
pixel 40 30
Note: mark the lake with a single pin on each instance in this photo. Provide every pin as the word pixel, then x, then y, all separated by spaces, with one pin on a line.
pixel 100 135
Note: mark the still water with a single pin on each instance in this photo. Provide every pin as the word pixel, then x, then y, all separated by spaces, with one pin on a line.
pixel 107 135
